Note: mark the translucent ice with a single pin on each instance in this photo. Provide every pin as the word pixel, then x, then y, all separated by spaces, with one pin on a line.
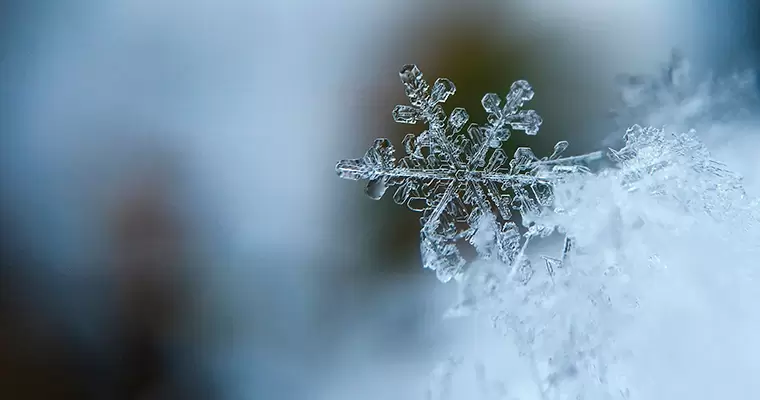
pixel 458 180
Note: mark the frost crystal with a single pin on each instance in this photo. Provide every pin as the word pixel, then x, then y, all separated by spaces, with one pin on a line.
pixel 464 184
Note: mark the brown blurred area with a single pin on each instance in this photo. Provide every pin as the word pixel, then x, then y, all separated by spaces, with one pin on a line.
pixel 147 257
pixel 33 363
pixel 145 299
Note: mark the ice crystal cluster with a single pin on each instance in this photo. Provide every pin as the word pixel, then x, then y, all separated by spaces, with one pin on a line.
pixel 464 183
pixel 568 322
pixel 665 213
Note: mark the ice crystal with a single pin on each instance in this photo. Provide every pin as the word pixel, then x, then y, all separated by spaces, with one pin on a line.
pixel 464 183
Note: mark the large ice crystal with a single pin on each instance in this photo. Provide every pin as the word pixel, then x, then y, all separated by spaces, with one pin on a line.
pixel 463 183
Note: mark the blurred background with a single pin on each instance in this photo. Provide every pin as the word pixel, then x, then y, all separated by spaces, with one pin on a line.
pixel 172 225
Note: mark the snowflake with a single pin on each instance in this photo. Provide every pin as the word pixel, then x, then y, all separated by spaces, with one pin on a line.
pixel 464 184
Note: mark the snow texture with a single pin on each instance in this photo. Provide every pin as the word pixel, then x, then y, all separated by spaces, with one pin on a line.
pixel 666 236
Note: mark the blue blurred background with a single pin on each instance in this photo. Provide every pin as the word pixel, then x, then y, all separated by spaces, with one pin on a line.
pixel 172 225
